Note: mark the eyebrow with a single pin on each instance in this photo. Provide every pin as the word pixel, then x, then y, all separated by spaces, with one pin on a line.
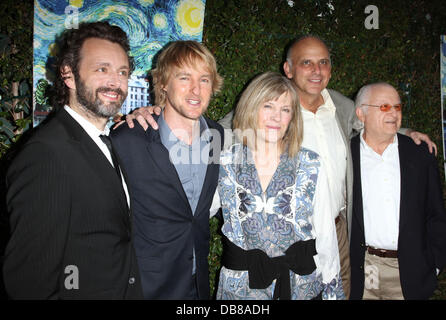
pixel 182 73
pixel 106 64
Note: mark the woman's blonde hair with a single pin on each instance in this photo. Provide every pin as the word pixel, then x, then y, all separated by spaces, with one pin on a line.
pixel 265 87
pixel 179 54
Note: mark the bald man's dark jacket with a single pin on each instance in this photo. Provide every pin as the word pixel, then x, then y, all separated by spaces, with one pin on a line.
pixel 422 224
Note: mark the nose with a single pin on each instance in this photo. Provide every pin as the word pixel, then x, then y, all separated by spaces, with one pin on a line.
pixel 316 68
pixel 114 80
pixel 275 115
pixel 195 87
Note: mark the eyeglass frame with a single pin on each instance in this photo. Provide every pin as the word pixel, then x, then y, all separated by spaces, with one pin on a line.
pixel 385 107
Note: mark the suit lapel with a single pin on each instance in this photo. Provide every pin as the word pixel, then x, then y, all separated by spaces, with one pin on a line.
pixel 212 170
pixel 358 212
pixel 160 157
pixel 407 172
pixel 348 171
pixel 209 181
pixel 95 159
pixel 344 133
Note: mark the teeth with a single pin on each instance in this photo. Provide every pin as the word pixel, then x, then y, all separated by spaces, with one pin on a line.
pixel 111 95
pixel 193 101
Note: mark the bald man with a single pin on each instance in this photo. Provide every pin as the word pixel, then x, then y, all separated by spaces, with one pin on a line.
pixel 398 238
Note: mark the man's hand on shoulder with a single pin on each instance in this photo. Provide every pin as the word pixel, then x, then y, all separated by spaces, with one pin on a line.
pixel 144 117
pixel 417 137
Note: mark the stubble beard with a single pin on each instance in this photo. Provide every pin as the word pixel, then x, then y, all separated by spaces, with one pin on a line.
pixel 94 105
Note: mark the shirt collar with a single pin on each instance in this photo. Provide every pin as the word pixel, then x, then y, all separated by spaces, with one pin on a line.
pixel 169 139
pixel 364 144
pixel 327 107
pixel 87 125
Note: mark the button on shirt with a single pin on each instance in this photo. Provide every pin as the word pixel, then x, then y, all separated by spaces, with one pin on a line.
pixel 380 181
pixel 94 134
pixel 190 161
pixel 322 135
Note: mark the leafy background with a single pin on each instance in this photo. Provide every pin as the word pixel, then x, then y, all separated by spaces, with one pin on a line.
pixel 248 37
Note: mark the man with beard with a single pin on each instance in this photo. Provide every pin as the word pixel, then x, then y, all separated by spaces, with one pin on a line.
pixel 68 202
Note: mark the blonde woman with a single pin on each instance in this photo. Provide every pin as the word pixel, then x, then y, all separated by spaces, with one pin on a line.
pixel 279 237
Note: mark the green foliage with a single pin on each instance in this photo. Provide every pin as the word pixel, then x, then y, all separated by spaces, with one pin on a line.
pixel 16 34
pixel 215 252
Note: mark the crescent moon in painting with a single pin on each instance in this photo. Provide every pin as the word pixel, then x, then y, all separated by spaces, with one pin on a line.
pixel 188 18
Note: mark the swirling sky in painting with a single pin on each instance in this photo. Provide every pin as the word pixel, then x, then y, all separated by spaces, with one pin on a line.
pixel 150 24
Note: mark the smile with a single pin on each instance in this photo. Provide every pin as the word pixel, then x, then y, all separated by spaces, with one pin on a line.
pixel 193 102
pixel 111 95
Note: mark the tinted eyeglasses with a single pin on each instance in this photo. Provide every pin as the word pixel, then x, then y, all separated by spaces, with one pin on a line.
pixel 385 107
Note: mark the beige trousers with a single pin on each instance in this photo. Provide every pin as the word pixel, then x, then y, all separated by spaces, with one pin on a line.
pixel 344 254
pixel 382 278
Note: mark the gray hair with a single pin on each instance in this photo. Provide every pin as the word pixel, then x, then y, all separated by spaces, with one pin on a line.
pixel 363 95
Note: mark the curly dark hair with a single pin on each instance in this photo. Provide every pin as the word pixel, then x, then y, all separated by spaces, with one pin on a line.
pixel 70 44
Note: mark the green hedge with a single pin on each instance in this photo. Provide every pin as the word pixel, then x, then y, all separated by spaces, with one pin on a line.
pixel 249 36
pixel 16 39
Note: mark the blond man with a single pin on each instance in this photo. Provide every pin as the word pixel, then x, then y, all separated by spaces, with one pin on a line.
pixel 172 175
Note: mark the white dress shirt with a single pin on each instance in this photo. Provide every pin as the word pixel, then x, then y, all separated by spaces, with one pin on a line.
pixel 381 189
pixel 94 134
pixel 323 136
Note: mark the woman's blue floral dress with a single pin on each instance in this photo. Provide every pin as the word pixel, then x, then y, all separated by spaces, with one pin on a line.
pixel 272 220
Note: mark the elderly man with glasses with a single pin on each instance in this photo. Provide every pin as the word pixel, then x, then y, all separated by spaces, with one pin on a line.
pixel 398 238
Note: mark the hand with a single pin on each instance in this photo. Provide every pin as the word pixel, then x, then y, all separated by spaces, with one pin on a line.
pixel 417 137
pixel 144 117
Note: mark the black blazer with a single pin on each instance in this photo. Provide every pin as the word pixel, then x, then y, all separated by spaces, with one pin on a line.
pixel 422 227
pixel 164 227
pixel 67 208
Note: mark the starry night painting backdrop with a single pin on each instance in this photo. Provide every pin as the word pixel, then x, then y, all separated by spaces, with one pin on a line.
pixel 149 24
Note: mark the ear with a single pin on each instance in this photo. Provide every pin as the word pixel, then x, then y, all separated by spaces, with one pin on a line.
pixel 360 114
pixel 68 76
pixel 286 69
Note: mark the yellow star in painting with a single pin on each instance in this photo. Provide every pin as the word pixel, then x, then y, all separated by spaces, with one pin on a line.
pixel 160 21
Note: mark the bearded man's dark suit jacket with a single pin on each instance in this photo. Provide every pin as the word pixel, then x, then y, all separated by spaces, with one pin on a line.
pixel 422 227
pixel 165 229
pixel 67 208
